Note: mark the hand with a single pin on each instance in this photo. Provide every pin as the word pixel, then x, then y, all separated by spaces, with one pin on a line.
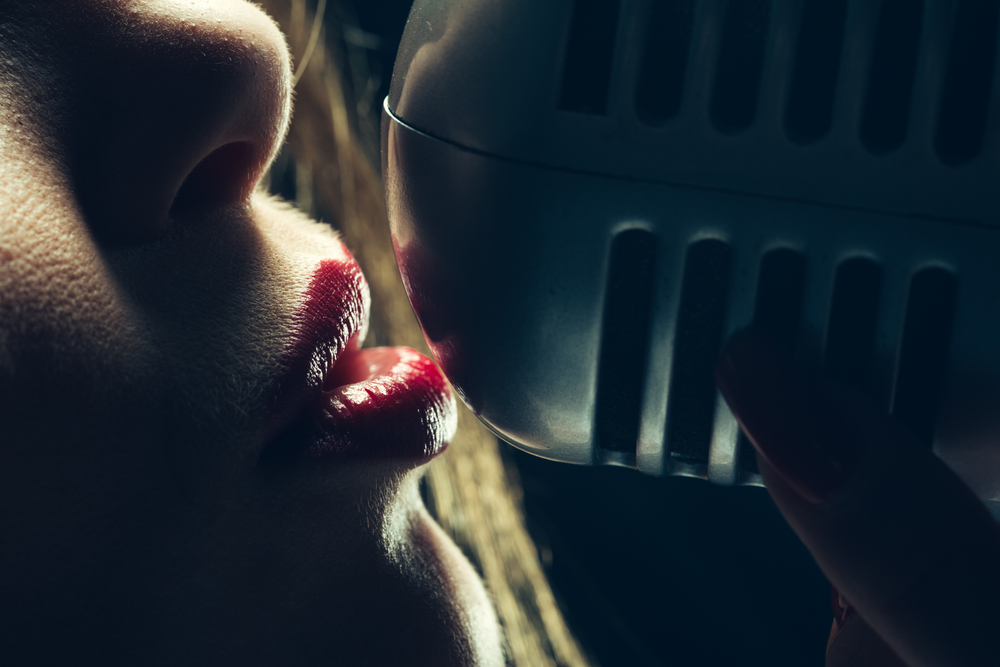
pixel 898 534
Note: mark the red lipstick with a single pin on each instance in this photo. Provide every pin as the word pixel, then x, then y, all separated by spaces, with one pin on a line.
pixel 350 403
pixel 401 407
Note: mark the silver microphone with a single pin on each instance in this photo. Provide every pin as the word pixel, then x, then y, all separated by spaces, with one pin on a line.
pixel 588 197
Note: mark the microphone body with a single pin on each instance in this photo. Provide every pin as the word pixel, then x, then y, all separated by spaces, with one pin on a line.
pixel 588 197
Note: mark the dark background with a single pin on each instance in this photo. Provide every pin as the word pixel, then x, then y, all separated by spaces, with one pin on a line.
pixel 649 571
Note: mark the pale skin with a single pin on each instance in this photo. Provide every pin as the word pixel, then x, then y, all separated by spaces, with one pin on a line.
pixel 138 340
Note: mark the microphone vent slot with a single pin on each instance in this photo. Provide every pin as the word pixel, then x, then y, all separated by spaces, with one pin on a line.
pixel 815 73
pixel 590 53
pixel 923 350
pixel 966 99
pixel 853 322
pixel 777 311
pixel 660 87
pixel 701 320
pixel 741 63
pixel 886 114
pixel 625 330
pixel 778 303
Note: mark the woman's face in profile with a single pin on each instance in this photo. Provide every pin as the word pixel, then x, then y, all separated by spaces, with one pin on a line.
pixel 197 465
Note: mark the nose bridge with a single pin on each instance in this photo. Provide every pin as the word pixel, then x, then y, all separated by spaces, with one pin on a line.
pixel 161 97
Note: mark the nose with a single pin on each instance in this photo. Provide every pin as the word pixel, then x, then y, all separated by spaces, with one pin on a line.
pixel 175 109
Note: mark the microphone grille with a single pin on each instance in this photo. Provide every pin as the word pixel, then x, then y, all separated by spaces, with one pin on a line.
pixel 881 105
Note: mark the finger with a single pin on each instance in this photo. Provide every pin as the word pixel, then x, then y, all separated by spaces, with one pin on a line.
pixel 891 526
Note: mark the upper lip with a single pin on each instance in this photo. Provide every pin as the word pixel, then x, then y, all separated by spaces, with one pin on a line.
pixel 331 320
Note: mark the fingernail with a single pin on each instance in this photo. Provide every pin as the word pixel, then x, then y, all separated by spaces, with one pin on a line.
pixel 842 609
pixel 793 422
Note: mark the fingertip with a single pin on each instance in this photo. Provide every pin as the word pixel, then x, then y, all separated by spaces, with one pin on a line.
pixel 790 417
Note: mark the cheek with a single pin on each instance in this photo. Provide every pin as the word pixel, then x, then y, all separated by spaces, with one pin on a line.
pixel 74 475
pixel 103 415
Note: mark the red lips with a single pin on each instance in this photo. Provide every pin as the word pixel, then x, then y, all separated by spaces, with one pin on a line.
pixel 349 403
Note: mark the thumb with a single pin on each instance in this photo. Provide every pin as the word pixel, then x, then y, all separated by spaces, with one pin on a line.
pixel 892 527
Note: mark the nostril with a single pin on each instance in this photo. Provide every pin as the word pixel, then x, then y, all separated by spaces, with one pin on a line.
pixel 225 175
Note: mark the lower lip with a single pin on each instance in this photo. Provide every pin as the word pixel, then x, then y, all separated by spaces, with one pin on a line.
pixel 401 408
pixel 387 403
